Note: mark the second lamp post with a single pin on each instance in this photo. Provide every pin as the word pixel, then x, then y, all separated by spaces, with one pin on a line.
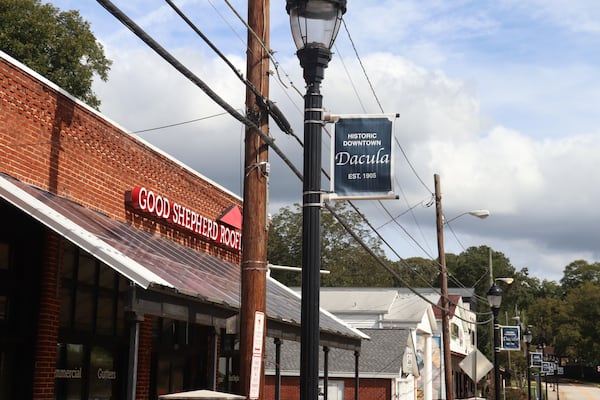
pixel 494 296
pixel 528 336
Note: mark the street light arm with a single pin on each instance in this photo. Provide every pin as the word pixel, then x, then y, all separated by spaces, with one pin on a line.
pixel 481 214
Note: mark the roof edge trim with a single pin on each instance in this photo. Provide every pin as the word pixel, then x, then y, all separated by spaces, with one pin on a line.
pixel 78 235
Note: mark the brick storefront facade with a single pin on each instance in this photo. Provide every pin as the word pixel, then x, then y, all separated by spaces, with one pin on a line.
pixel 50 141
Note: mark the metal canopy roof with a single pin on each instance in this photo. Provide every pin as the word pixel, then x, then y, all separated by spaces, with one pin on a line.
pixel 162 265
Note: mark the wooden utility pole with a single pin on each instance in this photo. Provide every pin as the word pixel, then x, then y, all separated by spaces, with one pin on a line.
pixel 445 304
pixel 255 225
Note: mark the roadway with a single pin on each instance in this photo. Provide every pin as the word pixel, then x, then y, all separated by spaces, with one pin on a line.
pixel 575 391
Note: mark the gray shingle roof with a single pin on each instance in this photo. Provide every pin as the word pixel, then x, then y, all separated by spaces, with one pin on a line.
pixel 379 357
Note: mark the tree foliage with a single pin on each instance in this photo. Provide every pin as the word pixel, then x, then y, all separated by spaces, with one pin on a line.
pixel 57 44
pixel 579 272
pixel 416 272
pixel 348 262
pixel 564 314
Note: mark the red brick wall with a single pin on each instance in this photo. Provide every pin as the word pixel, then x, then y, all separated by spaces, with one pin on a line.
pixel 45 354
pixel 370 389
pixel 144 360
pixel 52 142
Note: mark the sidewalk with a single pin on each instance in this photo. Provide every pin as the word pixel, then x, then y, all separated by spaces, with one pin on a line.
pixel 563 395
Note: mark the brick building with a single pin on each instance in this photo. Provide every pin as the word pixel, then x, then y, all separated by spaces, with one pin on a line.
pixel 119 266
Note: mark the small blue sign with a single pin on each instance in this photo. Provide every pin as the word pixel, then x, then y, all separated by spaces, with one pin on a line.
pixel 511 338
pixel 536 359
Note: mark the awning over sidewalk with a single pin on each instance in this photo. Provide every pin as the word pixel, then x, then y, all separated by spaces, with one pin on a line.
pixel 158 264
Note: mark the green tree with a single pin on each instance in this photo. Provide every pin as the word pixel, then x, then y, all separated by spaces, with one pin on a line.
pixel 416 272
pixel 581 322
pixel 471 269
pixel 567 315
pixel 57 44
pixel 285 244
pixel 578 272
pixel 350 265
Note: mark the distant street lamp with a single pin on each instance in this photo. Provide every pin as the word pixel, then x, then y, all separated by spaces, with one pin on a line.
pixel 528 337
pixel 494 296
pixel 314 25
pixel 540 349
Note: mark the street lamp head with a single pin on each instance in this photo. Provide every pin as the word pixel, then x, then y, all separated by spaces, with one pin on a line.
pixel 528 336
pixel 508 281
pixel 494 296
pixel 315 23
pixel 480 213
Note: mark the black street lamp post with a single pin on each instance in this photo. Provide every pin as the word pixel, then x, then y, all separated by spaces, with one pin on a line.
pixel 557 366
pixel 494 296
pixel 528 336
pixel 540 348
pixel 314 25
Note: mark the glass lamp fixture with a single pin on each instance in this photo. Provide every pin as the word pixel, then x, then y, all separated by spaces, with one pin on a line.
pixel 494 296
pixel 315 23
pixel 528 336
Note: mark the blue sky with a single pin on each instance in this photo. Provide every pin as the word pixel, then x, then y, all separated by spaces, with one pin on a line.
pixel 498 97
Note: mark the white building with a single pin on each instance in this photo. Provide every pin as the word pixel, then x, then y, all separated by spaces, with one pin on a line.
pixel 384 308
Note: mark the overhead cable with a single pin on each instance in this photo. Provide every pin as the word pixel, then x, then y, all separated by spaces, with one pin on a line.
pixel 139 32
pixel 266 104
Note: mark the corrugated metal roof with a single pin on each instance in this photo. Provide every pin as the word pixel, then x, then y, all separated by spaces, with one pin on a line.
pixel 152 261
pixel 356 300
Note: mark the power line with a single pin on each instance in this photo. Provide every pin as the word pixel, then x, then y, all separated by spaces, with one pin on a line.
pixel 139 32
pixel 198 82
pixel 380 106
pixel 179 123
pixel 270 52
pixel 402 150
pixel 265 103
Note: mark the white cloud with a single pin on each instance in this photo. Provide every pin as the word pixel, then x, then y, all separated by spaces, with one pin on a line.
pixel 498 170
pixel 515 136
pixel 576 15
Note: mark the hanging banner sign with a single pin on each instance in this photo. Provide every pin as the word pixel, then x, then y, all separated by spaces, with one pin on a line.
pixel 362 162
pixel 510 337
pixel 536 359
pixel 548 368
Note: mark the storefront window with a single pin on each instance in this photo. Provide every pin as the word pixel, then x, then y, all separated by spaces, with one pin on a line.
pixel 4 266
pixel 5 364
pixel 68 373
pixel 102 374
pixel 84 306
pixel 4 256
pixel 90 363
pixel 105 320
pixel 5 378
pixel 3 308
pixel 92 295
